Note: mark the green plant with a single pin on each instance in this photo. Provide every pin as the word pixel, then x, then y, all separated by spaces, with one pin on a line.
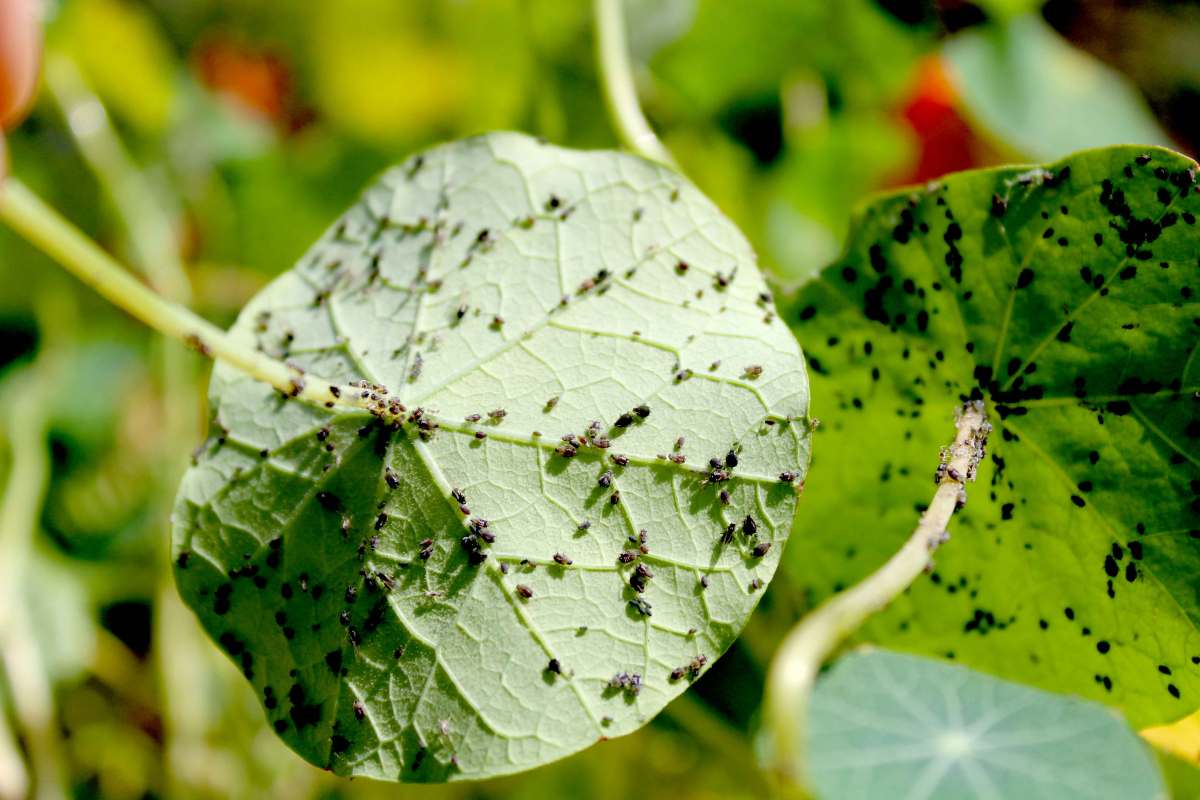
pixel 417 522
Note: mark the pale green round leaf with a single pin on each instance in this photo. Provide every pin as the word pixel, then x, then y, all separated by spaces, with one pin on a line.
pixel 552 293
pixel 1042 96
pixel 885 725
pixel 1066 298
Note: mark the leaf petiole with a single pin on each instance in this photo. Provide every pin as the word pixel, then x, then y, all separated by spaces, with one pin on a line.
pixel 810 642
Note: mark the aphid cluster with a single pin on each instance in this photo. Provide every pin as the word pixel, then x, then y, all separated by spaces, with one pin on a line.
pixel 691 669
pixel 629 683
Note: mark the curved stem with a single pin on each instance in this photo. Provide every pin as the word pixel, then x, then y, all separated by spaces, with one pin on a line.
pixel 21 664
pixel 794 670
pixel 616 78
pixel 25 213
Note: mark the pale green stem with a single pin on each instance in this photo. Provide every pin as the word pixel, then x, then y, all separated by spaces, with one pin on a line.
pixel 25 213
pixel 151 235
pixel 616 78
pixel 816 636
pixel 20 508
pixel 154 249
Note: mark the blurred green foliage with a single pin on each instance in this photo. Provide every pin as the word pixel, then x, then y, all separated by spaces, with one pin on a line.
pixel 253 123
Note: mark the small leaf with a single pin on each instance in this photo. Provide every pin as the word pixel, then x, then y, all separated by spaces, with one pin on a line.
pixel 1041 95
pixel 1065 297
pixel 573 337
pixel 887 725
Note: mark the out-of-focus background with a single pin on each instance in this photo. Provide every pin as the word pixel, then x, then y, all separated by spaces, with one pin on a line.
pixel 208 142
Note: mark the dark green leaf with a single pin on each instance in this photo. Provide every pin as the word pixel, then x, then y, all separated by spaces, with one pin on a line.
pixel 1065 297
pixel 542 289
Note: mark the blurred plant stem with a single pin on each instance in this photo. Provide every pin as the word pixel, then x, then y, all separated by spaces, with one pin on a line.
pixel 26 406
pixel 46 229
pixel 620 93
pixel 154 250
pixel 816 636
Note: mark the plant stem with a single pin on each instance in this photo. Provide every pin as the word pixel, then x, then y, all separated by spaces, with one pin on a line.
pixel 26 408
pixel 25 213
pixel 616 78
pixel 810 642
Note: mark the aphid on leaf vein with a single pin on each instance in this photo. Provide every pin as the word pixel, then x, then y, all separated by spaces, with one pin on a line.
pixel 761 549
pixel 727 536
pixel 606 479
pixel 360 712
pixel 524 591
pixel 641 606
pixel 749 526
pixel 562 560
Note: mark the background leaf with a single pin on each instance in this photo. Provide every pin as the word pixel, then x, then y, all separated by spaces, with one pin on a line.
pixel 331 556
pixel 1036 94
pixel 1064 297
pixel 886 725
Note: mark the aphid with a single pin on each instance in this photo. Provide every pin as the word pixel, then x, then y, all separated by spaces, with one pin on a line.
pixel 360 712
pixel 703 581
pixel 380 521
pixel 497 414
pixel 749 526
pixel 554 666
pixel 602 442
pixel 551 403
pixel 682 375
pixel 323 434
pixel 787 477
pixel 480 435
pixel 724 497
pixel 615 497
pixel 391 478
pixel 714 462
pixel 676 458
pixel 714 366
pixel 624 421
pixel 329 501
pixel 681 267
pixel 755 585
pixel 461 311
pixel 504 569
pixel 761 549
pixel 566 450
pixel 731 459
pixel 562 560
pixel 335 391
pixel 583 526
pixel 344 618
pixel 679 443
pixel 627 556
pixel 472 417
pixel 351 594
pixel 642 411
pixel 524 591
pixel 727 536
pixel 606 479
pixel 458 495
pixel 753 371
pixel 641 606
pixel 620 460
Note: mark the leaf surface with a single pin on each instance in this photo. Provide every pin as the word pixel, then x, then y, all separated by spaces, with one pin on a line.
pixel 344 563
pixel 888 725
pixel 1065 297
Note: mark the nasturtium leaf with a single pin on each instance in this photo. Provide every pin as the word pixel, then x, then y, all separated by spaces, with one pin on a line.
pixel 885 725
pixel 573 337
pixel 1064 296
pixel 1043 97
